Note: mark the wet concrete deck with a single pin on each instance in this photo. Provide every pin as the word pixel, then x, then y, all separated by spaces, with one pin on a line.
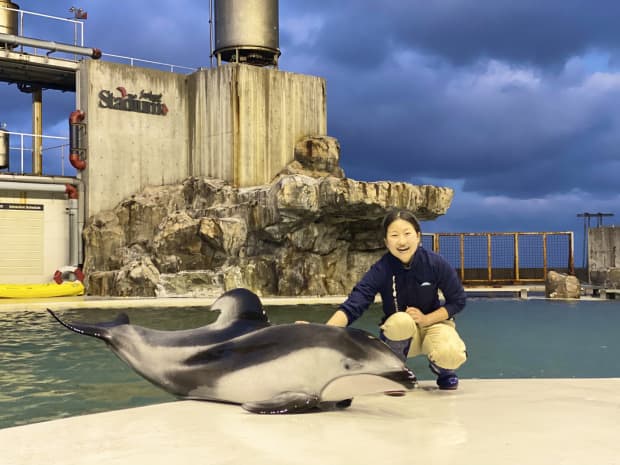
pixel 494 422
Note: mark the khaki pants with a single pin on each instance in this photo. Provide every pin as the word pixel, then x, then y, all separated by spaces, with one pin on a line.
pixel 439 342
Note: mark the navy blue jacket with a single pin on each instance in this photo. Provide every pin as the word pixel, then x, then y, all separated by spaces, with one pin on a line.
pixel 416 286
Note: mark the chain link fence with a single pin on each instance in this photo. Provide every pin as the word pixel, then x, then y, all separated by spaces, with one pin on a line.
pixel 504 257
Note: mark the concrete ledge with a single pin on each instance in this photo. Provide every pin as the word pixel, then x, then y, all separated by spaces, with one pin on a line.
pixel 608 293
pixel 68 303
pixel 494 422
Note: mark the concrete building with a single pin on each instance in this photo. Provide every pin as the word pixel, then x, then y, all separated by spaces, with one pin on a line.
pixel 604 256
pixel 235 122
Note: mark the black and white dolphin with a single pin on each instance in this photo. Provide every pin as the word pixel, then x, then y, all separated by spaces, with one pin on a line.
pixel 242 359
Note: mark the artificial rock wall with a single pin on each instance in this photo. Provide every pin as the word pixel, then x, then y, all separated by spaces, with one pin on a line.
pixel 310 231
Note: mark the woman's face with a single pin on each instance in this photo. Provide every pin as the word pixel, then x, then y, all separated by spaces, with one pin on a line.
pixel 402 240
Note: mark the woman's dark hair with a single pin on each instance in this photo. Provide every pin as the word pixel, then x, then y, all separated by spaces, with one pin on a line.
pixel 400 215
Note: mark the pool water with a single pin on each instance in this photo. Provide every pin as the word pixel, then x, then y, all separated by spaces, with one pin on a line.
pixel 48 372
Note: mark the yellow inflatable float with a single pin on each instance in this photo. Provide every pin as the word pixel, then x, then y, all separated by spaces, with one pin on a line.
pixel 36 291
pixel 67 282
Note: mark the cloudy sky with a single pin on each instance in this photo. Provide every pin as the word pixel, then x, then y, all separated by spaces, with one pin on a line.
pixel 514 104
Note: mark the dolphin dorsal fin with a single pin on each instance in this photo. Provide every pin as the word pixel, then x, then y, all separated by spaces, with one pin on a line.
pixel 238 304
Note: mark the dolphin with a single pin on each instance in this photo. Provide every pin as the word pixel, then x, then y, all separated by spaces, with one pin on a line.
pixel 242 359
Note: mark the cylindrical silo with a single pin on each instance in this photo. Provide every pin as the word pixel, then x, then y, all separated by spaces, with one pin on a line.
pixel 247 31
pixel 8 20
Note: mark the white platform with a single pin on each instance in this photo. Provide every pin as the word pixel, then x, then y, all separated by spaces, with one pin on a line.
pixel 485 422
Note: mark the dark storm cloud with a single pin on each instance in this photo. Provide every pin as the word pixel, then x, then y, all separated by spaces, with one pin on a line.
pixel 361 32
pixel 541 33
pixel 478 125
pixel 499 93
pixel 170 32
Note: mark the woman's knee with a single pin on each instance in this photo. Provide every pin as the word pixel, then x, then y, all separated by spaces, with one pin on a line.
pixel 448 356
pixel 399 326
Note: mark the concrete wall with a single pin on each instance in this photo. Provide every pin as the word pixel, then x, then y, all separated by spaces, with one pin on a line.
pixel 35 242
pixel 246 121
pixel 604 256
pixel 239 123
pixel 129 150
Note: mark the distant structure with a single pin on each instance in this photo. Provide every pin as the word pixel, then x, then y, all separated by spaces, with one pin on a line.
pixel 586 227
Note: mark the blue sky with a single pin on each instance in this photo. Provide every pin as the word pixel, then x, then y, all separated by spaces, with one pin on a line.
pixel 515 105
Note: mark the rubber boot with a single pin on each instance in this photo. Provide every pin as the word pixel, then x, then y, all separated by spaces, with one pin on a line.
pixel 446 379
pixel 400 348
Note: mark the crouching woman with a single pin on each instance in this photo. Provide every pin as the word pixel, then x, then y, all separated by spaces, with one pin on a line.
pixel 408 278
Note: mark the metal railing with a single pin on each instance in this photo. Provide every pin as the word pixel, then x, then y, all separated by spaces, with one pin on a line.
pixel 77 26
pixel 504 257
pixel 167 66
pixel 55 151
pixel 78 40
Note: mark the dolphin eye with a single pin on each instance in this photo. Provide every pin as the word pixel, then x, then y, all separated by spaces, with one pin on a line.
pixel 350 364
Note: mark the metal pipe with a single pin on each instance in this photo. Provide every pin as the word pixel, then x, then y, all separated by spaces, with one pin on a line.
pixel 37 130
pixel 31 186
pixel 74 233
pixel 75 139
pixel 211 33
pixel 20 178
pixel 11 39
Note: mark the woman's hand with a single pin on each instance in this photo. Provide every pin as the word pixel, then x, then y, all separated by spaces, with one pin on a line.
pixel 420 318
pixel 426 319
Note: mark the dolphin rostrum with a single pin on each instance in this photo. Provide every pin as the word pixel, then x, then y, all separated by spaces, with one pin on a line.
pixel 242 359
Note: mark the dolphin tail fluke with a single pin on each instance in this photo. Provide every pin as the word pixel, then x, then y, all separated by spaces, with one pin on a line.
pixel 98 330
pixel 286 402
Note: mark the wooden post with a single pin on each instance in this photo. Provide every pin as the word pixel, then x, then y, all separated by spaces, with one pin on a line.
pixel 516 244
pixel 489 259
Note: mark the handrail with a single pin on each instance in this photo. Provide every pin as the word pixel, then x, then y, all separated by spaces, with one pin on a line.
pixel 140 60
pixel 77 25
pixel 80 41
pixel 28 150
pixel 75 22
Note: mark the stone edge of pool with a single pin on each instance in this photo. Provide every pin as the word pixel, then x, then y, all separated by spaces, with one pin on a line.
pixel 69 303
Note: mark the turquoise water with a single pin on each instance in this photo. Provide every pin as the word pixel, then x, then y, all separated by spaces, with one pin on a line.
pixel 47 372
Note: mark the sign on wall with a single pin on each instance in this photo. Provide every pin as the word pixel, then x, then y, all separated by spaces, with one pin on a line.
pixel 144 102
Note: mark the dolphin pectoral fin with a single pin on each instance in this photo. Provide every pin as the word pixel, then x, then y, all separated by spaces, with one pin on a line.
pixel 285 402
pixel 336 405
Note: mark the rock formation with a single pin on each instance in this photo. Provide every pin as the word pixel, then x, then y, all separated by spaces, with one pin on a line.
pixel 562 286
pixel 310 232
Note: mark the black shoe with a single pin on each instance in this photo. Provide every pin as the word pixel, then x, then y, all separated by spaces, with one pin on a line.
pixel 448 381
